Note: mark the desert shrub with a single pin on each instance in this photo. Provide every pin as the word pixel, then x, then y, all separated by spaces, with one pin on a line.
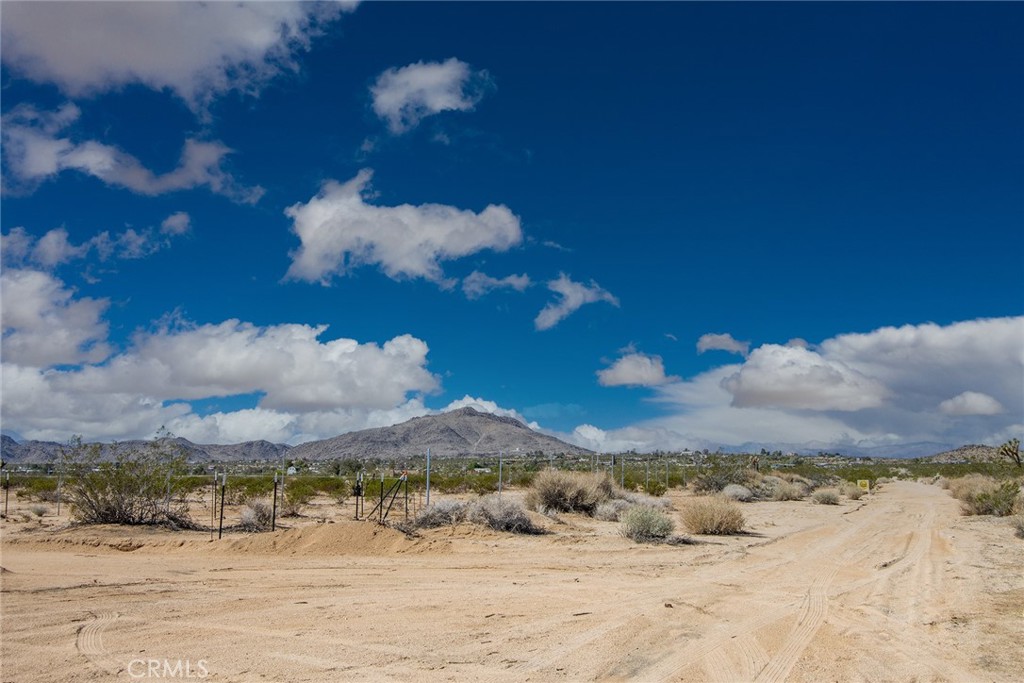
pixel 39 510
pixel 501 514
pixel 242 489
pixel 965 487
pixel 794 478
pixel 717 478
pixel 713 515
pixel 611 510
pixel 568 491
pixel 998 500
pixel 1017 522
pixel 131 489
pixel 38 488
pixel 644 524
pixel 441 513
pixel 637 498
pixel 826 497
pixel 256 516
pixel 738 492
pixel 852 491
pixel 297 494
pixel 788 491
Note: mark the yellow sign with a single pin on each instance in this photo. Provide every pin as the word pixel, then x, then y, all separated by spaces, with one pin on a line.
pixel 864 484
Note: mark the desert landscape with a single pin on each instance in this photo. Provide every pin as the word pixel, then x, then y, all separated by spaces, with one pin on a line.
pixel 896 586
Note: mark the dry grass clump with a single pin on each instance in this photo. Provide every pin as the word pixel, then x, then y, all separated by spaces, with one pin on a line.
pixel 492 511
pixel 39 510
pixel 826 497
pixel 646 525
pixel 713 515
pixel 852 491
pixel 558 491
pixel 637 498
pixel 1017 522
pixel 788 491
pixel 611 510
pixel 738 492
pixel 501 514
pixel 256 516
pixel 983 495
pixel 441 513
pixel 970 485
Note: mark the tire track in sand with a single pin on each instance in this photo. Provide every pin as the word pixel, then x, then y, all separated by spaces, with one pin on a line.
pixel 90 642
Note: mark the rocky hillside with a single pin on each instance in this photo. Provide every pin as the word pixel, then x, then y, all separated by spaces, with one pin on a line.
pixel 49 451
pixel 969 453
pixel 460 432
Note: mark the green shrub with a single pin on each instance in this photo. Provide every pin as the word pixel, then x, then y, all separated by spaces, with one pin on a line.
pixel 644 524
pixel 713 515
pixel 826 497
pixel 37 488
pixel 132 489
pixel 998 501
pixel 297 494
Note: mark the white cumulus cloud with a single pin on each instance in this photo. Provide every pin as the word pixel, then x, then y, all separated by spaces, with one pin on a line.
pixel 571 296
pixel 477 284
pixel 339 231
pixel 44 325
pixel 635 369
pixel 402 97
pixel 971 403
pixel 34 151
pixel 722 342
pixel 793 377
pixel 196 50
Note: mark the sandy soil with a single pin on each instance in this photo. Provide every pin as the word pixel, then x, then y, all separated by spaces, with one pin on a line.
pixel 898 587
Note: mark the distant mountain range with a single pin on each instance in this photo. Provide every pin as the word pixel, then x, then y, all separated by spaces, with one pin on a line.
pixel 50 451
pixel 462 432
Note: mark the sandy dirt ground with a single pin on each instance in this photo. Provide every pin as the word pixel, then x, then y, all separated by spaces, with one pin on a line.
pixel 897 587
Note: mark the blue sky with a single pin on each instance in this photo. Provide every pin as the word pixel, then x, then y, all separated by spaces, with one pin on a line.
pixel 633 225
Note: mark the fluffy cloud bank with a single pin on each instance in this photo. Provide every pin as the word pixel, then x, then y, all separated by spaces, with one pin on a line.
pixel 62 377
pixel 339 230
pixel 940 384
pixel 402 97
pixel 635 369
pixel 36 149
pixel 571 296
pixel 198 51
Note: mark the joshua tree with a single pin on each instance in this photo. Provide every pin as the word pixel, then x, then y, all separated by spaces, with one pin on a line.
pixel 1011 449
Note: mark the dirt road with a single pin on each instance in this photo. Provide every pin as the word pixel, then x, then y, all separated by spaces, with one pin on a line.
pixel 895 588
